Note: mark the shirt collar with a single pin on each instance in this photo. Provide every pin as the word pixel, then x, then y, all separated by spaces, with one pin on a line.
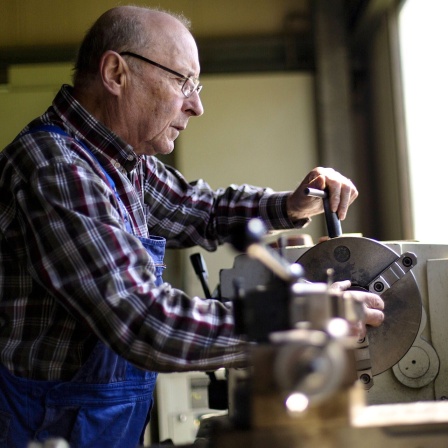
pixel 92 132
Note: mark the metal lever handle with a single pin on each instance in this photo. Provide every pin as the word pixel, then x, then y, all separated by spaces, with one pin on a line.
pixel 331 218
pixel 200 268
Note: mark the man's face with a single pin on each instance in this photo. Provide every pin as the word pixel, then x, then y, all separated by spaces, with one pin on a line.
pixel 156 109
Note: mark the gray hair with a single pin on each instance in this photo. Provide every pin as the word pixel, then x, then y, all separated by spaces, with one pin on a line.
pixel 118 29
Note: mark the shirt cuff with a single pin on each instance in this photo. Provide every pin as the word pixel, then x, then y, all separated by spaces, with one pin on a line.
pixel 273 212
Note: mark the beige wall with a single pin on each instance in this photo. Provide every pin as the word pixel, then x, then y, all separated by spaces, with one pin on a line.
pixel 27 95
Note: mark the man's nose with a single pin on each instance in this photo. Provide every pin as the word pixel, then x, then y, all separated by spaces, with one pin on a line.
pixel 194 105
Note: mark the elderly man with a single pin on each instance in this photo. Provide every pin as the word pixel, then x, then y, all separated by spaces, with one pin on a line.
pixel 85 319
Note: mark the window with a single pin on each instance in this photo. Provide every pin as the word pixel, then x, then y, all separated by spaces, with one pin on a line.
pixel 424 45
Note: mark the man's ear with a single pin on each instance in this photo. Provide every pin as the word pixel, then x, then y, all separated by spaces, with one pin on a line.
pixel 113 71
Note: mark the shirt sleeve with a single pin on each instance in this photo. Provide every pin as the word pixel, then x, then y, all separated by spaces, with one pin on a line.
pixel 192 213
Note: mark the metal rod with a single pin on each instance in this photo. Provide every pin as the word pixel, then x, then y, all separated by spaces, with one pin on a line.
pixel 315 192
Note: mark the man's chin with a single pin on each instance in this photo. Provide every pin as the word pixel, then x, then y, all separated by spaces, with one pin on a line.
pixel 152 150
pixel 166 150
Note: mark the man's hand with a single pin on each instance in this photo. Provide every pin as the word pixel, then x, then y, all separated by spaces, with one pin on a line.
pixel 342 193
pixel 372 303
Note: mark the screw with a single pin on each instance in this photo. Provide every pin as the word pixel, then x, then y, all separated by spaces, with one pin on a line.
pixel 365 378
pixel 378 286
pixel 407 261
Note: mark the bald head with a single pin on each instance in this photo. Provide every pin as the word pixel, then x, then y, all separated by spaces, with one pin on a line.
pixel 123 28
pixel 132 69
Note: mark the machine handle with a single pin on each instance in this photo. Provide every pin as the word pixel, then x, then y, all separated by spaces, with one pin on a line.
pixel 200 268
pixel 331 218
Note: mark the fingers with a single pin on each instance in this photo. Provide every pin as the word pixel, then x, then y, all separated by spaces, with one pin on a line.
pixel 341 190
pixel 373 307
pixel 342 285
pixel 342 193
pixel 340 203
pixel 358 329
pixel 373 317
pixel 373 301
pixel 372 304
pixel 373 310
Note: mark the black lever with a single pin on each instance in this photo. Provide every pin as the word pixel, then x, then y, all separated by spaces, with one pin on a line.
pixel 331 218
pixel 216 389
pixel 200 268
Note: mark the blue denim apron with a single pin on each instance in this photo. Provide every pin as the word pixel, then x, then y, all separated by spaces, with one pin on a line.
pixel 106 404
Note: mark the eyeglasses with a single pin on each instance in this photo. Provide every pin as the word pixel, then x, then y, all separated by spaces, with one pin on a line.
pixel 190 85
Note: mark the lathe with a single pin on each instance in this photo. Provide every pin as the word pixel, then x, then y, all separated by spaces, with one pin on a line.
pixel 405 359
pixel 311 384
